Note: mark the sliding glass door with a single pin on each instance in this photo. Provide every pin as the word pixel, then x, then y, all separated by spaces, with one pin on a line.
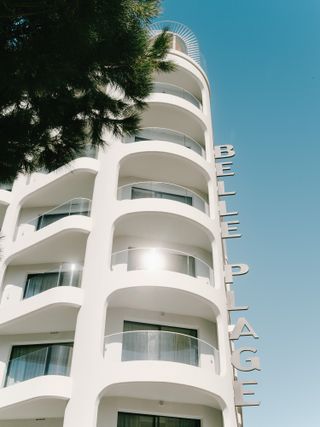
pixel 29 361
pixel 142 193
pixel 144 341
pixel 40 282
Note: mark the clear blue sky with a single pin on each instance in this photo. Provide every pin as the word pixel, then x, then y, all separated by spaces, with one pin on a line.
pixel 264 68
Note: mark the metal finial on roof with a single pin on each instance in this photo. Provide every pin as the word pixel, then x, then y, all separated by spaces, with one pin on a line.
pixel 183 32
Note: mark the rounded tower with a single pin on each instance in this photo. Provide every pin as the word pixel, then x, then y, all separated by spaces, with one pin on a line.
pixel 113 303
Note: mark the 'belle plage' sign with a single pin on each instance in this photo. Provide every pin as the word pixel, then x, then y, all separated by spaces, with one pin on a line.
pixel 242 327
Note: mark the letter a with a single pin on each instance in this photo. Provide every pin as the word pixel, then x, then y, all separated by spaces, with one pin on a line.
pixel 242 329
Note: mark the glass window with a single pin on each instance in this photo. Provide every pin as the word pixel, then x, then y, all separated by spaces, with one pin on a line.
pixel 29 361
pixel 48 219
pixel 159 342
pixel 140 420
pixel 41 282
pixel 139 193
pixel 141 259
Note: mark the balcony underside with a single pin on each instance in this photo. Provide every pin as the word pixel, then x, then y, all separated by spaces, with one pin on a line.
pixel 165 292
pixel 163 228
pixel 62 241
pixel 42 397
pixel 62 184
pixel 53 310
pixel 163 391
pixel 150 166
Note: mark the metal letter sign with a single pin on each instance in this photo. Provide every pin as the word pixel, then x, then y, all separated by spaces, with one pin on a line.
pixel 242 328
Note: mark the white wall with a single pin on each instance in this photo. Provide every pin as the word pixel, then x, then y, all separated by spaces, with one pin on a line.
pixel 47 422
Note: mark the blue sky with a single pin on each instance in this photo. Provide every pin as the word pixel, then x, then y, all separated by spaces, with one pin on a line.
pixel 264 67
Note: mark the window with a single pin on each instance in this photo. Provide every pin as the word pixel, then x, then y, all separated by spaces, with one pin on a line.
pixel 139 259
pixel 29 361
pixel 40 282
pixel 144 341
pixel 139 420
pixel 140 193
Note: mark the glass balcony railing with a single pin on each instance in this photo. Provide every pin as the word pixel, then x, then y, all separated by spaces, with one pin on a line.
pixel 161 259
pixel 162 190
pixel 32 361
pixel 64 275
pixel 171 89
pixel 167 135
pixel 77 206
pixel 162 345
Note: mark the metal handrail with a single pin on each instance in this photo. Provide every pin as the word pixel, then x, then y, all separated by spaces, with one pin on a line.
pixel 199 346
pixel 205 203
pixel 161 87
pixel 200 150
pixel 68 213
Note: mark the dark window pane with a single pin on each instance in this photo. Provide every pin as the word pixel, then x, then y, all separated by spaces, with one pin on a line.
pixel 37 283
pixel 139 420
pixel 29 361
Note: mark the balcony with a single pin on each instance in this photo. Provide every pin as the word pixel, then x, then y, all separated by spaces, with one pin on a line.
pixel 77 206
pixel 30 361
pixel 172 89
pixel 161 259
pixel 162 190
pixel 167 135
pixel 163 346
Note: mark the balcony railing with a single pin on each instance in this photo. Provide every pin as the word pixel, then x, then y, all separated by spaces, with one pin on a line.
pixel 77 206
pixel 167 135
pixel 161 345
pixel 162 190
pixel 54 359
pixel 161 259
pixel 64 275
pixel 171 89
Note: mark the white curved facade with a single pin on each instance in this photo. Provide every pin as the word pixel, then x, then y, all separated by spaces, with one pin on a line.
pixel 83 265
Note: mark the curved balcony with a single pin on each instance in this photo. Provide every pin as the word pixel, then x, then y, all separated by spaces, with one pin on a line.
pixel 54 310
pixel 64 240
pixel 161 259
pixel 162 190
pixel 164 346
pixel 167 135
pixel 76 206
pixel 41 397
pixel 172 89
